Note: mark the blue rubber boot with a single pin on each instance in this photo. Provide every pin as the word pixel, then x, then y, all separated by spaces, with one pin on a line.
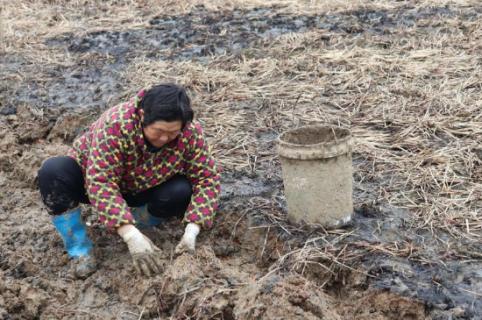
pixel 144 219
pixel 76 241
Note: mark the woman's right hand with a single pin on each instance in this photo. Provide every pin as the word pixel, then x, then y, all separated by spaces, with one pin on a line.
pixel 145 255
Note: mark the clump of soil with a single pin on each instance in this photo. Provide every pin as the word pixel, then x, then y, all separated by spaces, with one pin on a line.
pixel 291 297
pixel 382 305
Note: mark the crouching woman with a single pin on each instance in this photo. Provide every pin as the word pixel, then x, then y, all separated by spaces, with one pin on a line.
pixel 141 162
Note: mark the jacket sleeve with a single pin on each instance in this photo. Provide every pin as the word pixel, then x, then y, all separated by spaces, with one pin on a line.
pixel 203 174
pixel 103 174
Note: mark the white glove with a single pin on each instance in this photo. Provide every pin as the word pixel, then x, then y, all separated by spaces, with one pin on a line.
pixel 188 241
pixel 145 255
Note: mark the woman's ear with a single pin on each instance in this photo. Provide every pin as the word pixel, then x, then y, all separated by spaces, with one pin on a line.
pixel 141 112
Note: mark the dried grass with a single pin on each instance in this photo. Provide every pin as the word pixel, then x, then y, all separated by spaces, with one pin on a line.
pixel 411 98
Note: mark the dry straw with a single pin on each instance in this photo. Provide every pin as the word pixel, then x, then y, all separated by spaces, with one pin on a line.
pixel 411 97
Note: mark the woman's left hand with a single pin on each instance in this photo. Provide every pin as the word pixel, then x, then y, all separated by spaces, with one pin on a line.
pixel 188 241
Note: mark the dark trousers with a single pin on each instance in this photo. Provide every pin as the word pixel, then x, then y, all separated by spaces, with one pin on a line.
pixel 61 185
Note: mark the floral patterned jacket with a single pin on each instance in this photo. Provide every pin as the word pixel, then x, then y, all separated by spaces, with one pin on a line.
pixel 115 159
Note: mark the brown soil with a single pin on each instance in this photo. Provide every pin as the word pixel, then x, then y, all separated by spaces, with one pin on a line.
pixel 227 278
pixel 403 76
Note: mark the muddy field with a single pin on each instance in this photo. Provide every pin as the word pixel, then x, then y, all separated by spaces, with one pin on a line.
pixel 404 76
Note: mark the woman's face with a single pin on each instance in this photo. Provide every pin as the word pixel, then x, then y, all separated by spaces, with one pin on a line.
pixel 161 132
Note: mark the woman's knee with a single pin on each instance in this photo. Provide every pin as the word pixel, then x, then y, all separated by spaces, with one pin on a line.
pixel 50 168
pixel 62 167
pixel 181 189
pixel 172 197
pixel 60 180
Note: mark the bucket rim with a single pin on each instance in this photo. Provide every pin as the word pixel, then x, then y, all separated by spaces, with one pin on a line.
pixel 320 150
pixel 341 140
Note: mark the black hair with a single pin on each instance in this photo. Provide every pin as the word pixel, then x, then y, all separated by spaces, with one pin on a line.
pixel 166 102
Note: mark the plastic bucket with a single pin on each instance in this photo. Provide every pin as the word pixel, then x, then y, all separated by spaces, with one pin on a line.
pixel 317 174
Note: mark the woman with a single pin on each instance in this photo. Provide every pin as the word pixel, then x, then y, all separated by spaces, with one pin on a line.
pixel 140 162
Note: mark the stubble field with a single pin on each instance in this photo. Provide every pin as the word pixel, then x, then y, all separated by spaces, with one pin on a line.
pixel 404 76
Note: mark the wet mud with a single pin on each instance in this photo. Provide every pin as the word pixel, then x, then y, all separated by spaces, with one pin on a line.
pixel 229 277
pixel 204 33
pixel 93 79
pixel 240 270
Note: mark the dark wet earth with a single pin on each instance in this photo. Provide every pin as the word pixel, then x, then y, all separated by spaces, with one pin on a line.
pixel 445 274
pixel 204 33
pixel 94 80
